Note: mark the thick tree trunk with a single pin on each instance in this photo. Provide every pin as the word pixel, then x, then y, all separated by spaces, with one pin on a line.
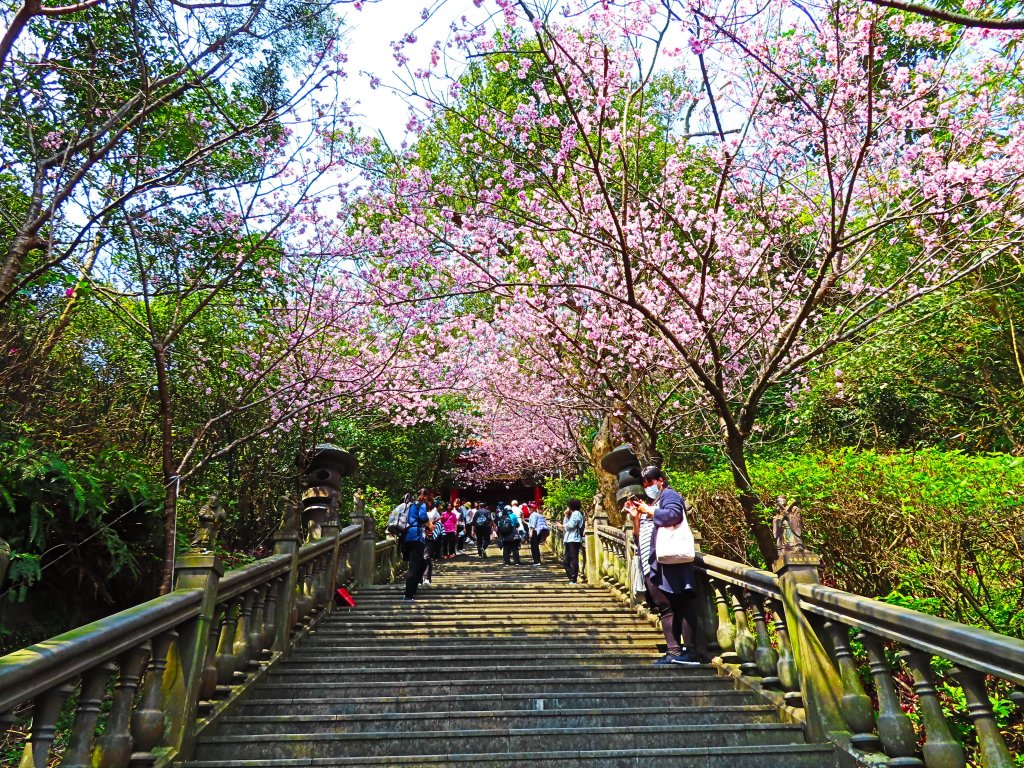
pixel 604 442
pixel 735 449
pixel 170 473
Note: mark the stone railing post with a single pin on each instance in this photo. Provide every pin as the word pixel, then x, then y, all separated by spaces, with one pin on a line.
pixel 201 569
pixel 593 543
pixel 287 541
pixel 820 685
pixel 363 549
pixel 707 618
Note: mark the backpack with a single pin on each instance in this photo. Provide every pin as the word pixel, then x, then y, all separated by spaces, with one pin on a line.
pixel 481 520
pixel 505 526
pixel 398 520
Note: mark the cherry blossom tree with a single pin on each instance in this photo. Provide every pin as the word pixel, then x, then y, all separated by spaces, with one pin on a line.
pixel 856 162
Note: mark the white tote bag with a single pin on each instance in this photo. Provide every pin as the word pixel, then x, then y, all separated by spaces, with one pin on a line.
pixel 674 544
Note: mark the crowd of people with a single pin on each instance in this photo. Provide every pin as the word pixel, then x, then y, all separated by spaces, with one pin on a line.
pixel 431 530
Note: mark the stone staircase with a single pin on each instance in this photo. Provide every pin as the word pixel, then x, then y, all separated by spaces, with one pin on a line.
pixel 497 666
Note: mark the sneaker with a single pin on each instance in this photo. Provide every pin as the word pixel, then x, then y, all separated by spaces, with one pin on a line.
pixel 536 565
pixel 682 660
pixel 425 582
pixel 408 599
pixel 687 659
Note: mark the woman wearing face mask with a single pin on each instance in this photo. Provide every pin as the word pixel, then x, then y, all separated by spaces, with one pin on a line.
pixel 670 588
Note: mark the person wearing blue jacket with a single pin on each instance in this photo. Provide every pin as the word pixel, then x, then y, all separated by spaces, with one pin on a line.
pixel 670 587
pixel 414 544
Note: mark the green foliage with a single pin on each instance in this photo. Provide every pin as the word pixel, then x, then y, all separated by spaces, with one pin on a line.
pixel 378 507
pixel 935 530
pixel 559 490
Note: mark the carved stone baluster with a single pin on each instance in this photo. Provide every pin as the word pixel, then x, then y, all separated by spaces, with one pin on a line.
pixel 208 689
pixel 991 744
pixel 765 656
pixel 895 730
pixel 240 648
pixel 267 635
pixel 148 720
pixel 940 749
pixel 746 645
pixel 256 624
pixel 855 705
pixel 45 711
pixel 114 747
pixel 319 582
pixel 301 596
pixel 225 659
pixel 726 630
pixel 94 687
pixel 789 675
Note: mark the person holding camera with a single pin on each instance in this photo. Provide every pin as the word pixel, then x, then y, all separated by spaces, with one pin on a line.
pixel 572 538
pixel 670 588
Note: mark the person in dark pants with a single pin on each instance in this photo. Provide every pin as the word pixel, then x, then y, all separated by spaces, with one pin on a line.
pixel 572 539
pixel 414 546
pixel 482 522
pixel 670 588
pixel 508 537
pixel 538 532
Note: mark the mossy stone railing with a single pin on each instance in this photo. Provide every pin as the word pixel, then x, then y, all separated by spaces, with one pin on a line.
pixel 387 561
pixel 176 663
pixel 791 638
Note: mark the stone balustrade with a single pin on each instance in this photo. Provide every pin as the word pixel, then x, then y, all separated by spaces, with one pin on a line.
pixel 138 687
pixel 793 639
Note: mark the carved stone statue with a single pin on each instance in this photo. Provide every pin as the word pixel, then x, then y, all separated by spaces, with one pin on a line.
pixel 788 526
pixel 291 516
pixel 210 517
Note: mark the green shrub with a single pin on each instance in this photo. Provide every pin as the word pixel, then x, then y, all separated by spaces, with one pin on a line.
pixel 941 526
pixel 560 489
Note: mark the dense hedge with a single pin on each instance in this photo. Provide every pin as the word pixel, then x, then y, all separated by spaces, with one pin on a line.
pixel 938 531
pixel 935 530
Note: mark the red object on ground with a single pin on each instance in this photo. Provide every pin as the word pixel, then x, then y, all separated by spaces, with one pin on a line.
pixel 342 597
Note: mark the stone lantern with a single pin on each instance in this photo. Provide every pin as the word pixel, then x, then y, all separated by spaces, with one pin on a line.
pixel 624 464
pixel 324 466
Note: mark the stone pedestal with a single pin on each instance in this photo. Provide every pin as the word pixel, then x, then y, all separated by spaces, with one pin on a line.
pixel 820 686
pixel 192 571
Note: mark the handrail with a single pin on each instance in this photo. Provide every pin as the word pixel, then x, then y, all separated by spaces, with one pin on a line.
pixel 238 581
pixel 809 660
pixel 178 660
pixel 316 548
pixel 737 574
pixel 26 673
pixel 979 649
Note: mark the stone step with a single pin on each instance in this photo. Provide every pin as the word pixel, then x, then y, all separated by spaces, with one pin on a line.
pixel 496 719
pixel 783 756
pixel 460 658
pixel 477 702
pixel 538 687
pixel 509 673
pixel 510 741
pixel 633 633
pixel 335 650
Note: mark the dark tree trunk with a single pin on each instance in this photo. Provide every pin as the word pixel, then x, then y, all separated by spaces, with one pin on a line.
pixel 735 448
pixel 604 442
pixel 170 473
